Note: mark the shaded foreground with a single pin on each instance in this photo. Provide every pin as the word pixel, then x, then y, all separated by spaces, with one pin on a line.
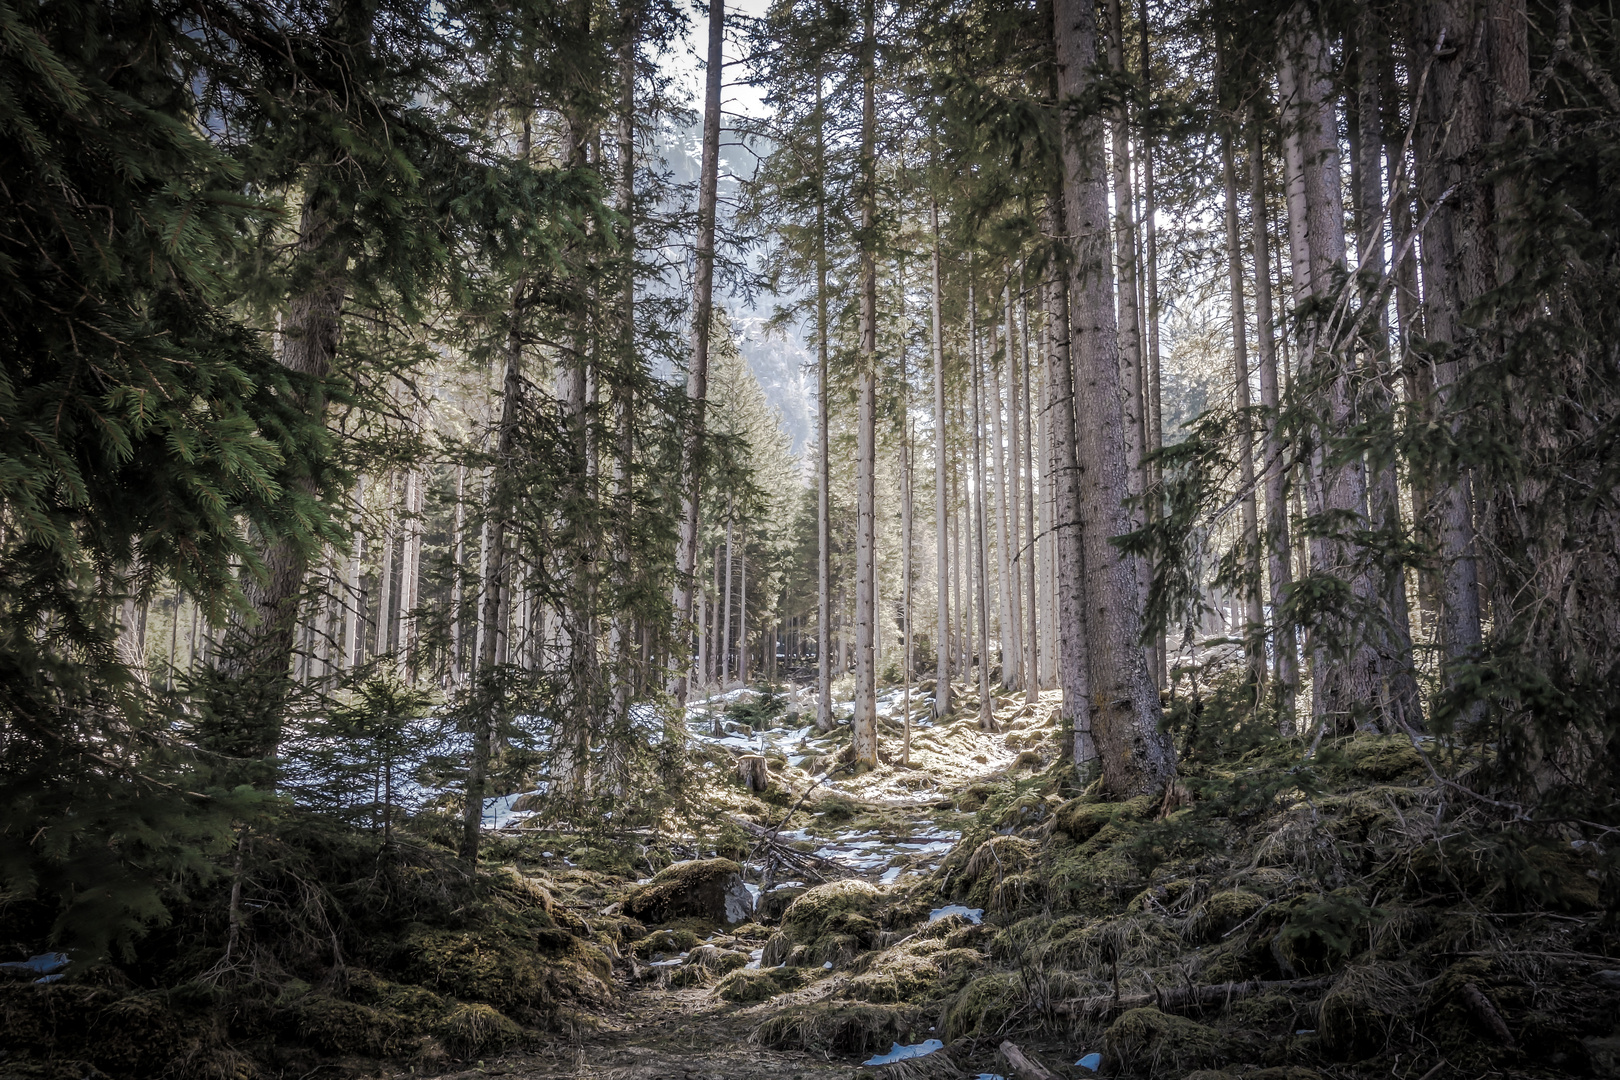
pixel 1272 917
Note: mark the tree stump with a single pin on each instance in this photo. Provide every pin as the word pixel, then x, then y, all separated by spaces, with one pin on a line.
pixel 753 772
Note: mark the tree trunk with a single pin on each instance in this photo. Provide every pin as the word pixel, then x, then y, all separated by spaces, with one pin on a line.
pixel 697 372
pixel 824 717
pixel 1253 632
pixel 942 647
pixel 981 549
pixel 1032 639
pixel 725 633
pixel 1448 133
pixel 864 724
pixel 1073 664
pixel 1279 558
pixel 1124 701
pixel 354 648
pixel 1006 584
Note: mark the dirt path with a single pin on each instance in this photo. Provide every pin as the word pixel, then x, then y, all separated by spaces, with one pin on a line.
pixel 897 830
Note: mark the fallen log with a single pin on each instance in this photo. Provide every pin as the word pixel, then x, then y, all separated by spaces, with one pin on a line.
pixel 1183 998
pixel 1022 1066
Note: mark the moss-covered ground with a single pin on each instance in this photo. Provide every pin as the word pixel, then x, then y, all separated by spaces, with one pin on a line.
pixel 1340 916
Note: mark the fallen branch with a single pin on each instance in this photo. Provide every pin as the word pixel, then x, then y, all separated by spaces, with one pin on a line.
pixel 1174 999
pixel 1022 1066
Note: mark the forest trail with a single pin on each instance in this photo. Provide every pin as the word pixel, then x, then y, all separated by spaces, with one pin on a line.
pixel 891 827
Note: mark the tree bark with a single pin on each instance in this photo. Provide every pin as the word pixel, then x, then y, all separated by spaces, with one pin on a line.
pixel 1448 133
pixel 1073 663
pixel 1124 702
pixel 942 646
pixel 1253 631
pixel 1006 583
pixel 697 372
pixel 1279 558
pixel 864 724
pixel 824 717
pixel 981 546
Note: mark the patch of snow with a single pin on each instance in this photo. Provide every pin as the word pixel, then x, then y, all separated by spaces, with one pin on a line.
pixel 905 1053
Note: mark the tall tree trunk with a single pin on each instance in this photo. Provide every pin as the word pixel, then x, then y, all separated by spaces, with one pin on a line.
pixel 1448 133
pixel 1253 632
pixel 1032 639
pixel 942 646
pixel 1073 663
pixel 355 646
pixel 742 609
pixel 1124 701
pixel 725 634
pixel 1129 327
pixel 1348 687
pixel 493 587
pixel 1015 523
pixel 385 569
pixel 1006 584
pixel 1279 558
pixel 697 371
pixel 864 724
pixel 981 544
pixel 1404 704
pixel 622 638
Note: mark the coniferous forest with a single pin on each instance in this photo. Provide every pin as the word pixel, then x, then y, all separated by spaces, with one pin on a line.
pixel 909 538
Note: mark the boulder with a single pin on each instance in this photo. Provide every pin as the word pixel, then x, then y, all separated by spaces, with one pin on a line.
pixel 709 890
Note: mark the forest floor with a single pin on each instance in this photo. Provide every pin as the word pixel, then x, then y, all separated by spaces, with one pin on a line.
pixel 893 826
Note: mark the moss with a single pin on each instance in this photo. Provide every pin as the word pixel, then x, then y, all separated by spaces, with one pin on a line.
pixel 1147 1041
pixel 698 889
pixel 1083 818
pixel 470 1030
pixel 506 972
pixel 983 1006
pixel 1220 914
pixel 347 1027
pixel 665 943
pixel 897 976
pixel 749 985
pixel 1359 1014
pixel 837 1028
pixel 1379 758
pixel 832 922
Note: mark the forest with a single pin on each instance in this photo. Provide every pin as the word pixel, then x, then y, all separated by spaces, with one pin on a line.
pixel 892 538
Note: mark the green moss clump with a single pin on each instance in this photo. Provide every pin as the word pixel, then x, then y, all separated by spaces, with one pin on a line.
pixel 347 1027
pixel 665 943
pixel 1147 1041
pixel 1222 913
pixel 470 1030
pixel 747 986
pixel 836 1028
pixel 1083 818
pixel 896 976
pixel 1380 758
pixel 695 889
pixel 506 972
pixel 983 1006
pixel 832 922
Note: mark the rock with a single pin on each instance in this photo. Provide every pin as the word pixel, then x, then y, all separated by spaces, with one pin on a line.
pixel 711 890
pixel 1609 980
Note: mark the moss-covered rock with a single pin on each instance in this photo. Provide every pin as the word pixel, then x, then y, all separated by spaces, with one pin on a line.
pixel 983 1006
pixel 835 1027
pixel 662 944
pixel 1149 1042
pixel 749 985
pixel 832 922
pixel 710 890
pixel 470 1030
pixel 348 1028
pixel 1083 818
pixel 1360 1012
pixel 1221 914
pixel 504 971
